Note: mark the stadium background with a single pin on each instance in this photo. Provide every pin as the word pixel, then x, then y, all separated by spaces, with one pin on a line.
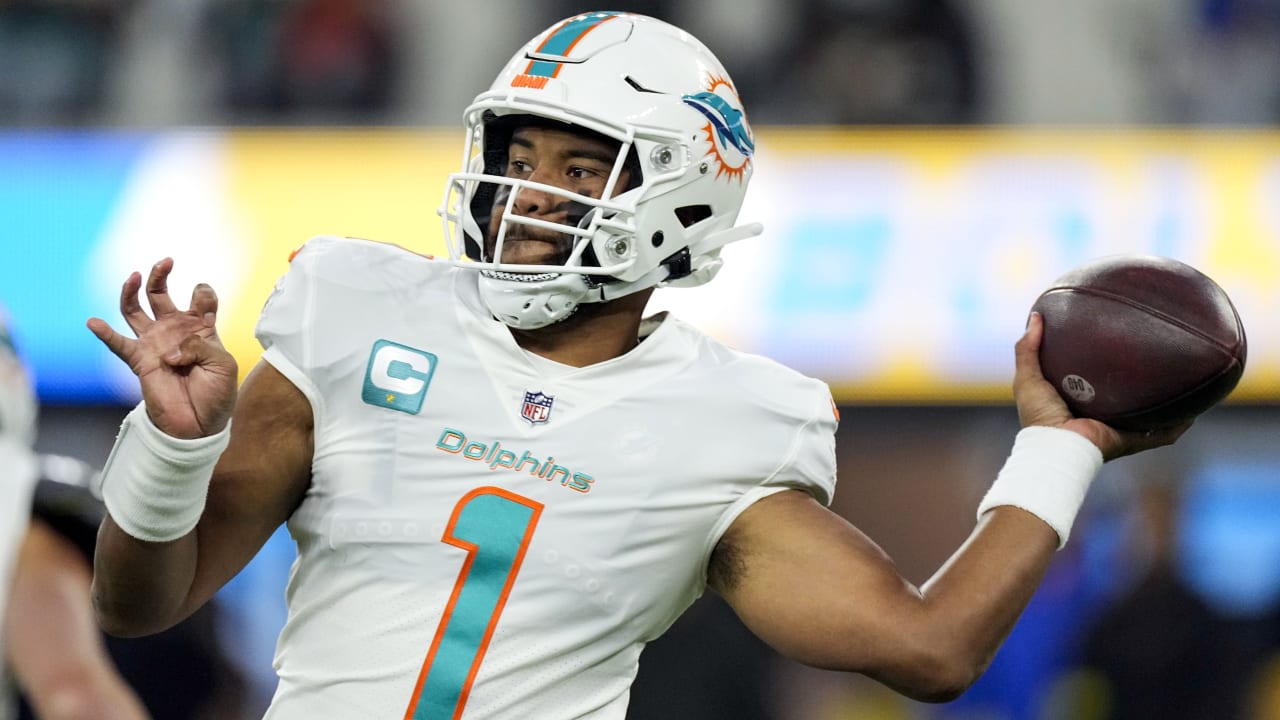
pixel 914 205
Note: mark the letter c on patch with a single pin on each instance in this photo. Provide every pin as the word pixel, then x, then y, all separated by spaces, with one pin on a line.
pixel 397 376
pixel 398 370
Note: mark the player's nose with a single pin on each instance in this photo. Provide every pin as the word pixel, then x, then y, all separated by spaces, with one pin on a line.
pixel 531 201
pixel 538 200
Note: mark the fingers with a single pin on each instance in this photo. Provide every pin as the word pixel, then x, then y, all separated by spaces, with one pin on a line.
pixel 158 288
pixel 1027 351
pixel 204 301
pixel 1131 442
pixel 204 304
pixel 130 308
pixel 187 352
pixel 1166 436
pixel 115 342
pixel 195 350
pixel 203 309
pixel 1039 403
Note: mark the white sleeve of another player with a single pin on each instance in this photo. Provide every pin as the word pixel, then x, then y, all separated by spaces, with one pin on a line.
pixel 17 480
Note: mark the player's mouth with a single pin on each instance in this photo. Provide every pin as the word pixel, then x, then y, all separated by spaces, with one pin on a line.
pixel 522 247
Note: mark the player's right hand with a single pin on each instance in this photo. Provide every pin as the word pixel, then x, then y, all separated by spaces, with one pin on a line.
pixel 188 378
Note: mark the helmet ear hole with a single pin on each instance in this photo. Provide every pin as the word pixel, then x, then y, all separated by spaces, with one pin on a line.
pixel 679 157
pixel 690 215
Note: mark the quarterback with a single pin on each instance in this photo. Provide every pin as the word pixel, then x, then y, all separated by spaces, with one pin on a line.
pixel 502 476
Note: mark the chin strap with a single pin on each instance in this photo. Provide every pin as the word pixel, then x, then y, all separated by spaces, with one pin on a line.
pixel 659 276
pixel 532 302
pixel 710 245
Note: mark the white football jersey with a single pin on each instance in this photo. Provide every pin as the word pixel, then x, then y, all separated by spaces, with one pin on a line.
pixel 17 481
pixel 489 534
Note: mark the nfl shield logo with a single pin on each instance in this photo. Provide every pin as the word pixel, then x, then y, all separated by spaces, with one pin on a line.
pixel 537 407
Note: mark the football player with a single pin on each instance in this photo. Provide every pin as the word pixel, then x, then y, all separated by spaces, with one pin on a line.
pixel 52 648
pixel 503 477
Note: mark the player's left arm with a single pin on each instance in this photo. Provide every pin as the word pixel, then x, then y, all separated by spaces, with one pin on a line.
pixel 815 588
pixel 52 641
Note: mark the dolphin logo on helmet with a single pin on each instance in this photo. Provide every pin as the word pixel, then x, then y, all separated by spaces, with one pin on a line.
pixel 680 129
pixel 729 122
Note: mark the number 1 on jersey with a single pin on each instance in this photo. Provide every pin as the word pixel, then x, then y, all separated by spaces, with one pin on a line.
pixel 494 526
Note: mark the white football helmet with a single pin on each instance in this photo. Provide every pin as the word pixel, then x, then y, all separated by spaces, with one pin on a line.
pixel 18 408
pixel 683 137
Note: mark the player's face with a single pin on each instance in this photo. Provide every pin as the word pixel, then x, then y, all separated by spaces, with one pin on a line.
pixel 564 159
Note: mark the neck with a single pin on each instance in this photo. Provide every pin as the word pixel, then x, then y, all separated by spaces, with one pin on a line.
pixel 595 333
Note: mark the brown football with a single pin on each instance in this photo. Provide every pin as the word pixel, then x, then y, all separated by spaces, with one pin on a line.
pixel 1140 342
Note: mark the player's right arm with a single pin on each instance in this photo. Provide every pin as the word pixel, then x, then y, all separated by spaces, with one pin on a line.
pixel 821 592
pixel 188 383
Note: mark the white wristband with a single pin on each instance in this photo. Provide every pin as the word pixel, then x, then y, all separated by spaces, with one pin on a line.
pixel 155 485
pixel 1047 474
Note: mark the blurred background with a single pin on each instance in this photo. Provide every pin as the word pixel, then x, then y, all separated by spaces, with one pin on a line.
pixel 925 168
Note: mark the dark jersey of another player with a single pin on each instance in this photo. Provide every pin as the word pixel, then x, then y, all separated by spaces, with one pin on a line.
pixel 179 674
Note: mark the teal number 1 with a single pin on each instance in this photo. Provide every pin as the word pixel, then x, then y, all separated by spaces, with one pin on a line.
pixel 494 526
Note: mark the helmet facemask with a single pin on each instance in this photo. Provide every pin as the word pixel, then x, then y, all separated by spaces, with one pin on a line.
pixel 667 206
pixel 494 220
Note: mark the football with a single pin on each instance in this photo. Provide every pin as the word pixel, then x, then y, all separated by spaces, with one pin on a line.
pixel 1140 342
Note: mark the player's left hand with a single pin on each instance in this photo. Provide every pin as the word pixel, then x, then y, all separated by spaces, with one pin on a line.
pixel 1040 404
